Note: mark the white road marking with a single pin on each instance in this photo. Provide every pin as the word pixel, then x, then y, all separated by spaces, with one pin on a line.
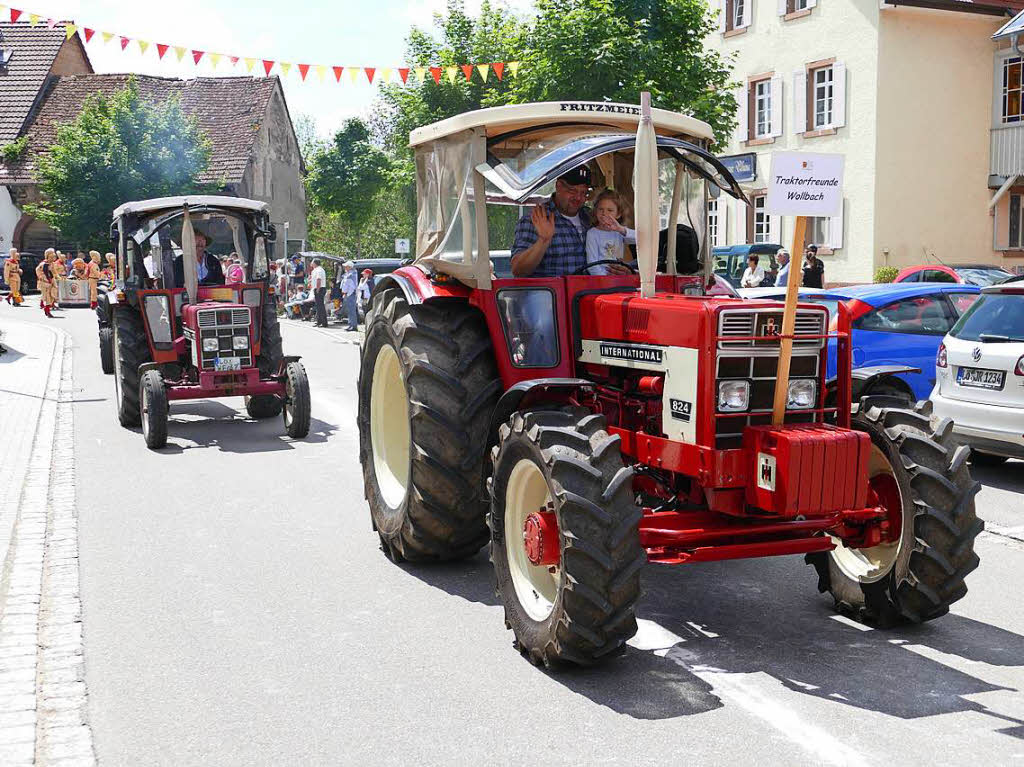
pixel 650 637
pixel 699 628
pixel 850 622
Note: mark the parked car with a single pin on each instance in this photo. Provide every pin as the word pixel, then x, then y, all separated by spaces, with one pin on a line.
pixel 980 383
pixel 731 261
pixel 963 274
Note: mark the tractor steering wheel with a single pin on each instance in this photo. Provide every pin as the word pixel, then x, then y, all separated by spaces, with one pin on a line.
pixel 583 269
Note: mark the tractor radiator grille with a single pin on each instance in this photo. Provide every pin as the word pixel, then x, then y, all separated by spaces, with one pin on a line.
pixel 224 325
pixel 212 318
pixel 743 322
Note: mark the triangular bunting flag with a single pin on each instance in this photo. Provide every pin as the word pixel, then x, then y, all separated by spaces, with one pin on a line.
pixel 321 71
pixel 33 19
pixel 499 69
pixel 403 72
pixel 303 71
pixel 51 23
pixel 435 72
pixel 180 52
pixel 286 67
pixel 353 74
pixel 267 66
pixel 369 72
pixel 215 59
pixel 337 73
pixel 196 55
pixel 161 49
pixel 124 42
pixel 249 64
pixel 483 69
pixel 421 73
pixel 69 29
pixel 15 15
pixel 89 33
pixel 234 60
pixel 452 73
pixel 513 68
pixel 107 37
pixel 385 74
pixel 467 70
pixel 143 46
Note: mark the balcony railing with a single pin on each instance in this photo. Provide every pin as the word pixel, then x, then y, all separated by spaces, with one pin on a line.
pixel 1007 152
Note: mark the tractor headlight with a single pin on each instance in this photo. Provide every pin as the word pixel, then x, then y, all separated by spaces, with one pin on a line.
pixel 210 344
pixel 240 342
pixel 158 317
pixel 803 394
pixel 733 396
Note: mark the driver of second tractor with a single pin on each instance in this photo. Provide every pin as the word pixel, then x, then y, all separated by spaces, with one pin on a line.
pixel 207 264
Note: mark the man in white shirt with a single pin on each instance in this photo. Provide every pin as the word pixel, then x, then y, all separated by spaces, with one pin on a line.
pixel 754 274
pixel 318 284
pixel 783 276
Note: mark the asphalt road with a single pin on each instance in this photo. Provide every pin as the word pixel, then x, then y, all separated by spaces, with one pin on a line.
pixel 238 611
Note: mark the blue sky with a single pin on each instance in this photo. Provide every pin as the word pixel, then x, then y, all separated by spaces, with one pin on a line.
pixel 328 32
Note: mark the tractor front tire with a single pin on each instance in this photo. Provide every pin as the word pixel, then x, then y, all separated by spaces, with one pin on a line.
pixel 427 387
pixel 107 350
pixel 262 406
pixel 296 410
pixel 131 349
pixel 920 467
pixel 153 404
pixel 581 610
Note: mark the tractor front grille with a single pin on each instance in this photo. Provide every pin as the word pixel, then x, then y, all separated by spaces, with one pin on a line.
pixel 224 325
pixel 212 318
pixel 744 322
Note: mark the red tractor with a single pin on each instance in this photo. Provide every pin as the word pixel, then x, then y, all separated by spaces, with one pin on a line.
pixel 587 425
pixel 172 330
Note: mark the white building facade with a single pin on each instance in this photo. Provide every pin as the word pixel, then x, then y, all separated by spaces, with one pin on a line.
pixel 905 93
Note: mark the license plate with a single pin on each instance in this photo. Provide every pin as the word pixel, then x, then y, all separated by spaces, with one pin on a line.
pixel 222 364
pixel 979 378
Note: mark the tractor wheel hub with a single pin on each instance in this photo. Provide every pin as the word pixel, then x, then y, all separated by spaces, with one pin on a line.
pixel 540 538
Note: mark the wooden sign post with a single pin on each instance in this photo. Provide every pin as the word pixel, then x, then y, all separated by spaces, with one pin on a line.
pixel 801 185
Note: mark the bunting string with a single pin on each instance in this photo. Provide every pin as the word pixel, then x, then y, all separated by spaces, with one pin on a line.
pixel 478 72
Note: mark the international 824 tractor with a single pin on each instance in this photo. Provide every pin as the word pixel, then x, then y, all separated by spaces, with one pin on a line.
pixel 172 330
pixel 586 425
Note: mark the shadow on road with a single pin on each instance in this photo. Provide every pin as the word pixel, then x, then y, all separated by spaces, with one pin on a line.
pixel 764 617
pixel 1006 477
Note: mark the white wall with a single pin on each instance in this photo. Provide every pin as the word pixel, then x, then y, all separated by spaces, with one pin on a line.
pixel 9 217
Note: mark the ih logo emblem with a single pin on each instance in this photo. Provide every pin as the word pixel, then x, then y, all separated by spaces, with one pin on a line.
pixel 766 472
pixel 770 328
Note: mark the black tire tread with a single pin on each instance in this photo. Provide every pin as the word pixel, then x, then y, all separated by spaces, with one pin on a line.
pixel 271 345
pixel 156 434
pixel 300 404
pixel 133 351
pixel 107 350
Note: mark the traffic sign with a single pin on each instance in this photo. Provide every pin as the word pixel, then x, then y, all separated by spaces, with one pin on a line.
pixel 401 245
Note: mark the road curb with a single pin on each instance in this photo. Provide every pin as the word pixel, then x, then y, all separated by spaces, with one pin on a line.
pixel 43 702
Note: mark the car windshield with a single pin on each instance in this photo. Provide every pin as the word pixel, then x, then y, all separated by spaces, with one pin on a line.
pixel 983 276
pixel 994 317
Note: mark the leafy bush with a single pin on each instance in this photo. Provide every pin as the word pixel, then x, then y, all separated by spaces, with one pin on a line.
pixel 14 150
pixel 886 274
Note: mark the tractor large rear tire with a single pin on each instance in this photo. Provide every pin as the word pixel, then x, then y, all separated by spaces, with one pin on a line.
pixel 271 346
pixel 427 387
pixel 582 610
pixel 131 349
pixel 918 578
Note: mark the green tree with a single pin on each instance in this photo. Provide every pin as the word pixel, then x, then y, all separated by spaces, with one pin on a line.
pixel 611 50
pixel 344 181
pixel 119 148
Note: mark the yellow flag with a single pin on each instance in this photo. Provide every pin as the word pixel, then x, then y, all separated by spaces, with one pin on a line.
pixel 249 64
pixel 143 46
pixel 513 67
pixel 452 73
pixel 69 29
pixel 385 74
pixel 483 69
pixel 286 67
pixel 108 36
pixel 353 73
pixel 421 73
pixel 180 52
pixel 33 19
pixel 321 70
pixel 215 58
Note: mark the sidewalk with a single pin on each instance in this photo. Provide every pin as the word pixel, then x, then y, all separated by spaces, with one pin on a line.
pixel 42 674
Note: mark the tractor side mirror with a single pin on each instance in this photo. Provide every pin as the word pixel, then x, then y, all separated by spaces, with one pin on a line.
pixel 115 235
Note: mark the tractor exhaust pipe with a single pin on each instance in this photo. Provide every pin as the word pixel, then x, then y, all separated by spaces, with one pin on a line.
pixel 645 197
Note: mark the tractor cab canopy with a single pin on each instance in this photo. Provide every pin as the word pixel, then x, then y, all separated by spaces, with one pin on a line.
pixel 476 170
pixel 157 245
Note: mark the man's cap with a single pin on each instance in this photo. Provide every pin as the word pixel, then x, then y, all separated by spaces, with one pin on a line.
pixel 347 263
pixel 577 176
pixel 367 272
pixel 813 248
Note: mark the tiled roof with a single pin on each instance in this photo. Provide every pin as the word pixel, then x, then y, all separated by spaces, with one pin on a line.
pixel 34 48
pixel 229 109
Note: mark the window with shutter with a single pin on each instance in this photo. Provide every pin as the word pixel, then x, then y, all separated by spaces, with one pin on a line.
pixel 1012 109
pixel 762 94
pixel 737 15
pixel 821 98
pixel 762 221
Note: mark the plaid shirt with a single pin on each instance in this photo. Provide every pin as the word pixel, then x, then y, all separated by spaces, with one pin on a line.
pixel 567 250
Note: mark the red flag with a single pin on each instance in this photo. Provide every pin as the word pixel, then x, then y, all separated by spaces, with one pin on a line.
pixel 436 74
pixel 124 42
pixel 337 73
pixel 196 55
pixel 15 14
pixel 369 72
pixel 467 70
pixel 403 73
pixel 234 60
pixel 267 66
pixel 303 70
pixel 499 69
pixel 161 49
pixel 89 33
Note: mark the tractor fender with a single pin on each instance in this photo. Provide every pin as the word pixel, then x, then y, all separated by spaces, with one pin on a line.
pixel 148 366
pixel 284 363
pixel 863 379
pixel 520 395
pixel 418 288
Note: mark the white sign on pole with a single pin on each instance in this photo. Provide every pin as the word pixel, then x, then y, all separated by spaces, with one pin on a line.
pixel 401 245
pixel 803 184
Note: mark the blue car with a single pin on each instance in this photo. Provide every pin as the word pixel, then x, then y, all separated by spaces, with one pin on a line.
pixel 896 326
